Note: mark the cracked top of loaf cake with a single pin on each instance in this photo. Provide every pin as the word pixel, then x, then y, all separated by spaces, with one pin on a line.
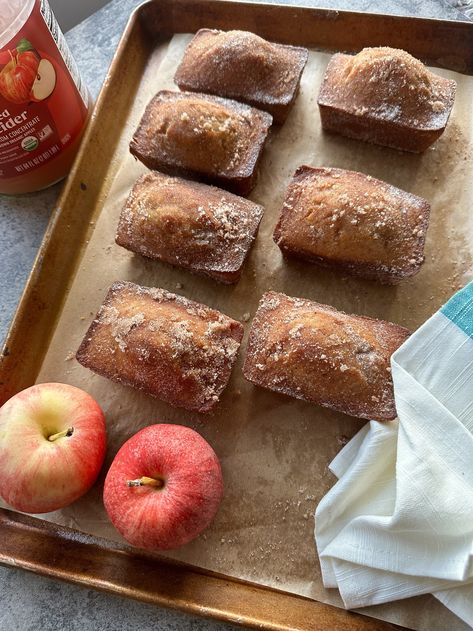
pixel 388 84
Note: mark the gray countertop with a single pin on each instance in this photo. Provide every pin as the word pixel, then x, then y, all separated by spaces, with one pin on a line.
pixel 30 601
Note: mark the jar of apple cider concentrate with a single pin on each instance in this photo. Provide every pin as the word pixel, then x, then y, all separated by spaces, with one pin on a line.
pixel 44 105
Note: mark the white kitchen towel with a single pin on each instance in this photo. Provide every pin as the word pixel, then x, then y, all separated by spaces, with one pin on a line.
pixel 399 521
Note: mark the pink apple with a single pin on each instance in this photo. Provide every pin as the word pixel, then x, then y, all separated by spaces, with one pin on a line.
pixel 52 446
pixel 163 487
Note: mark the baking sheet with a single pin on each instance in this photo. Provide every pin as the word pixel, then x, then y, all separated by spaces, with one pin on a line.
pixel 274 450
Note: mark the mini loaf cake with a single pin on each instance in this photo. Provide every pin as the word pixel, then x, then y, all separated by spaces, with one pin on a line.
pixel 385 96
pixel 191 225
pixel 314 352
pixel 177 350
pixel 202 137
pixel 353 222
pixel 242 66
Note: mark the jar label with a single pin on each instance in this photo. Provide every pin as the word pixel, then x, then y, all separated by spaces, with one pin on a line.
pixel 43 102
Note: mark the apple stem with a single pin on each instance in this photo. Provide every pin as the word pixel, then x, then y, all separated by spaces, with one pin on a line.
pixel 145 481
pixel 66 432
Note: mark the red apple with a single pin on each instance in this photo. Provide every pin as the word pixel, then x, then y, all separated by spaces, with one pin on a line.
pixel 18 76
pixel 52 446
pixel 163 487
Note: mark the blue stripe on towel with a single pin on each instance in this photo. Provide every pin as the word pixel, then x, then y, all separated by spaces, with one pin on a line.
pixel 459 309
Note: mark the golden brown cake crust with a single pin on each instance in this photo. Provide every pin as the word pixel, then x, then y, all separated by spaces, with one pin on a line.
pixel 354 222
pixel 242 66
pixel 385 96
pixel 314 352
pixel 175 349
pixel 191 225
pixel 202 137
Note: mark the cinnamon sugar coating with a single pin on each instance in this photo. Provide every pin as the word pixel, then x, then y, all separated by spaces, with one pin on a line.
pixel 385 96
pixel 191 225
pixel 242 66
pixel 354 222
pixel 175 349
pixel 202 137
pixel 313 352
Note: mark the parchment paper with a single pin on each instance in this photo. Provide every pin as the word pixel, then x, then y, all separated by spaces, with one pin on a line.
pixel 274 450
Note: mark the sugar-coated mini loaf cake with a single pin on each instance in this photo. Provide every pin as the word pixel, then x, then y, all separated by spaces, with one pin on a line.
pixel 385 96
pixel 353 222
pixel 242 66
pixel 314 352
pixel 175 349
pixel 203 137
pixel 191 225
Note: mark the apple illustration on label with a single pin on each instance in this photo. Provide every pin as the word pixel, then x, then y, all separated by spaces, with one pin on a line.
pixel 25 75
pixel 52 446
pixel 45 81
pixel 164 487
